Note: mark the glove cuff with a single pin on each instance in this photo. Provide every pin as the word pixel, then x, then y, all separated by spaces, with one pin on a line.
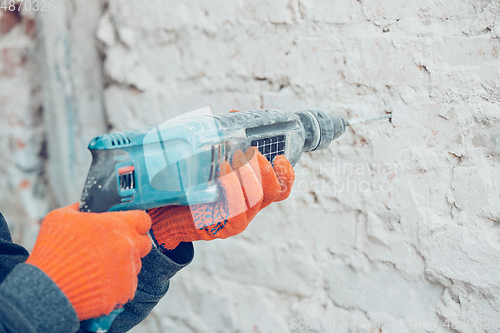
pixel 170 227
pixel 32 302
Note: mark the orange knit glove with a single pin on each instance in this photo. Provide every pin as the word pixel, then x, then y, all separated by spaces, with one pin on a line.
pixel 248 186
pixel 94 258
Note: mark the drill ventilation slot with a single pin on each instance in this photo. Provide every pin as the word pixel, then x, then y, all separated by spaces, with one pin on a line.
pixel 126 175
pixel 118 139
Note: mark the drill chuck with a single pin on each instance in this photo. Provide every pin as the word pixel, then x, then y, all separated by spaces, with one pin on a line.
pixel 320 128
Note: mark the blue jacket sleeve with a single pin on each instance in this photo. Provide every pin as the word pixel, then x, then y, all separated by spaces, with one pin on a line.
pixel 10 254
pixel 157 269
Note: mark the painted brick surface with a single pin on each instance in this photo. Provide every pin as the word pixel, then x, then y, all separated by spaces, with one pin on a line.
pixel 394 221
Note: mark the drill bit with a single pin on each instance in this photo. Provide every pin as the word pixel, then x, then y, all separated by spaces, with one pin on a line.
pixel 367 120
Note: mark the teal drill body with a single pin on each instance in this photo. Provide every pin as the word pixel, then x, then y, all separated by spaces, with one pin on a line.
pixel 176 163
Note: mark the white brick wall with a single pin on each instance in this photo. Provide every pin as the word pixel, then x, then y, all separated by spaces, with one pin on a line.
pixel 394 221
pixel 425 247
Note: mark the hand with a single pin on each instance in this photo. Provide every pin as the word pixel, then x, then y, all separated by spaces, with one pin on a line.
pixel 94 258
pixel 247 186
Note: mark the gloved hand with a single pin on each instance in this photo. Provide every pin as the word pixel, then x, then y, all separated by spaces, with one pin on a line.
pixel 94 258
pixel 247 187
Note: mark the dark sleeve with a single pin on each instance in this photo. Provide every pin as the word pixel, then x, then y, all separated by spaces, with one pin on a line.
pixel 10 254
pixel 29 300
pixel 153 282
